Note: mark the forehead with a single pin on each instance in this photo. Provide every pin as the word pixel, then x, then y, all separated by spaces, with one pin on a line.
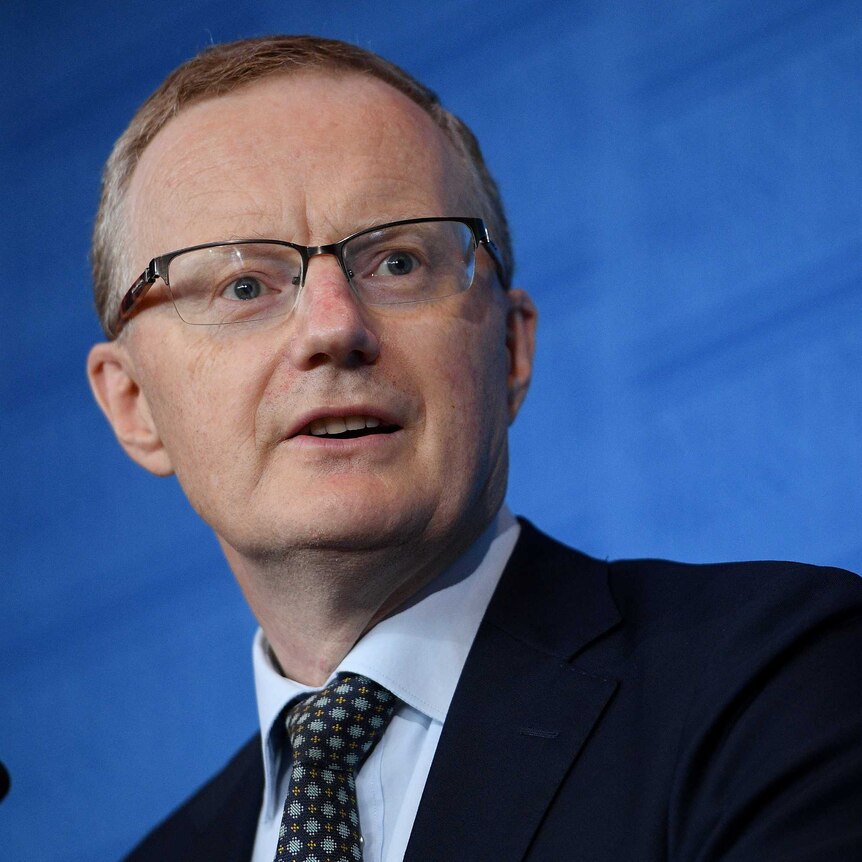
pixel 305 156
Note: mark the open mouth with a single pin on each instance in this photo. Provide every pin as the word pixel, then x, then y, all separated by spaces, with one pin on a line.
pixel 346 427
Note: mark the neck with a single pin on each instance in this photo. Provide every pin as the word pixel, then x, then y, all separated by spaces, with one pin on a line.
pixel 315 604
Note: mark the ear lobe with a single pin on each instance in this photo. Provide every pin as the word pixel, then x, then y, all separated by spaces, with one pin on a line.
pixel 112 379
pixel 521 320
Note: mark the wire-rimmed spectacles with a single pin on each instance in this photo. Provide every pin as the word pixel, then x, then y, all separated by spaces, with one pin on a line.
pixel 243 280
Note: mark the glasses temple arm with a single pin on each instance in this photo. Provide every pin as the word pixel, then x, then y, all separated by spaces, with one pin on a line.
pixel 133 297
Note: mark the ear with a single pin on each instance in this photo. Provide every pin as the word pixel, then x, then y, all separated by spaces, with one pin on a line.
pixel 113 381
pixel 521 320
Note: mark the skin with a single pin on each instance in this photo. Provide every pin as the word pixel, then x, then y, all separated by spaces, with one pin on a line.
pixel 324 537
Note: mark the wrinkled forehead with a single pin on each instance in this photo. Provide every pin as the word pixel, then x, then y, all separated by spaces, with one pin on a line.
pixel 316 155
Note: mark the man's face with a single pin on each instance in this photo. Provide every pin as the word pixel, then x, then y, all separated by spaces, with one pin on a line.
pixel 312 158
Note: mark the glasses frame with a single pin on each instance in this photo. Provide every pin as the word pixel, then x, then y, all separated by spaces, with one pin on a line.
pixel 159 267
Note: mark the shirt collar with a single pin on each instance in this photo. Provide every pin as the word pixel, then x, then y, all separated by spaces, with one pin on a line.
pixel 418 652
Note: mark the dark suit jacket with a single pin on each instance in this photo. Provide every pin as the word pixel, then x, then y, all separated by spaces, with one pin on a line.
pixel 636 710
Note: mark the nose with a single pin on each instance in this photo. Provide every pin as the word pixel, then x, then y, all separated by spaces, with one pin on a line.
pixel 329 325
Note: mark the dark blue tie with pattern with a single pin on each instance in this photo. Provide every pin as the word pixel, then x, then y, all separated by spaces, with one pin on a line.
pixel 331 733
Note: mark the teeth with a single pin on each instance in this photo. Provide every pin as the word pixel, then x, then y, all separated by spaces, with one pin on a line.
pixel 338 425
pixel 335 426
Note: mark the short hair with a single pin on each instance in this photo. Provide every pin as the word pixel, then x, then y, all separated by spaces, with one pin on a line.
pixel 217 71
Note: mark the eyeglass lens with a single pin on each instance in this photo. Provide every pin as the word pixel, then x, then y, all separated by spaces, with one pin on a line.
pixel 386 266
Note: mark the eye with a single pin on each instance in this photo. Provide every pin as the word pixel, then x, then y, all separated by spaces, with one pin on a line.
pixel 244 288
pixel 397 263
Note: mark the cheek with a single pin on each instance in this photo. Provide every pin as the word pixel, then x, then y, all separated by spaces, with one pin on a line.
pixel 473 379
pixel 203 407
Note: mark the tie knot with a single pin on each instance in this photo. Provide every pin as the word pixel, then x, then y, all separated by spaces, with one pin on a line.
pixel 338 726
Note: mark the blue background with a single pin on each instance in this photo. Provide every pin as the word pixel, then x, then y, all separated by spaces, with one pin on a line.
pixel 684 184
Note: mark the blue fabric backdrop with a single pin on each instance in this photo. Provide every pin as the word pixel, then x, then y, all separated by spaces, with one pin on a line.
pixel 684 184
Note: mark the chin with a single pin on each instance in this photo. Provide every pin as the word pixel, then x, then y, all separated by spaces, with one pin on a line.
pixel 337 525
pixel 369 526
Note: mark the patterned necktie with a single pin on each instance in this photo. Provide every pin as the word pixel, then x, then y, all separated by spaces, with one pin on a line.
pixel 331 733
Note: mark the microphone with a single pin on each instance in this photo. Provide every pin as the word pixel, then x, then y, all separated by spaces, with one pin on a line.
pixel 5 782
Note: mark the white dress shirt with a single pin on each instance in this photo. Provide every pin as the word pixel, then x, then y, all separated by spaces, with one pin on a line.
pixel 418 653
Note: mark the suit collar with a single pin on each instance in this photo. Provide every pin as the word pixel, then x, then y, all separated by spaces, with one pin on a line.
pixel 522 711
pixel 551 597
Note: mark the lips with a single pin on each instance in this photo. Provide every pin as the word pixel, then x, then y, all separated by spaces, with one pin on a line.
pixel 341 425
pixel 348 427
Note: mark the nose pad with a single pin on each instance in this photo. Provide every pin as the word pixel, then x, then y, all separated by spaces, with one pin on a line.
pixel 312 252
pixel 331 324
pixel 331 274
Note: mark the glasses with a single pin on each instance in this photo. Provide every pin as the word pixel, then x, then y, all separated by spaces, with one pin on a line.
pixel 415 260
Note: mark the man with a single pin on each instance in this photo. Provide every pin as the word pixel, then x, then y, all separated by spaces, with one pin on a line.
pixel 326 350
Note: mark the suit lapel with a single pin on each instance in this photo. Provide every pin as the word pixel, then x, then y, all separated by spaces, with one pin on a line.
pixel 218 823
pixel 521 712
pixel 225 813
